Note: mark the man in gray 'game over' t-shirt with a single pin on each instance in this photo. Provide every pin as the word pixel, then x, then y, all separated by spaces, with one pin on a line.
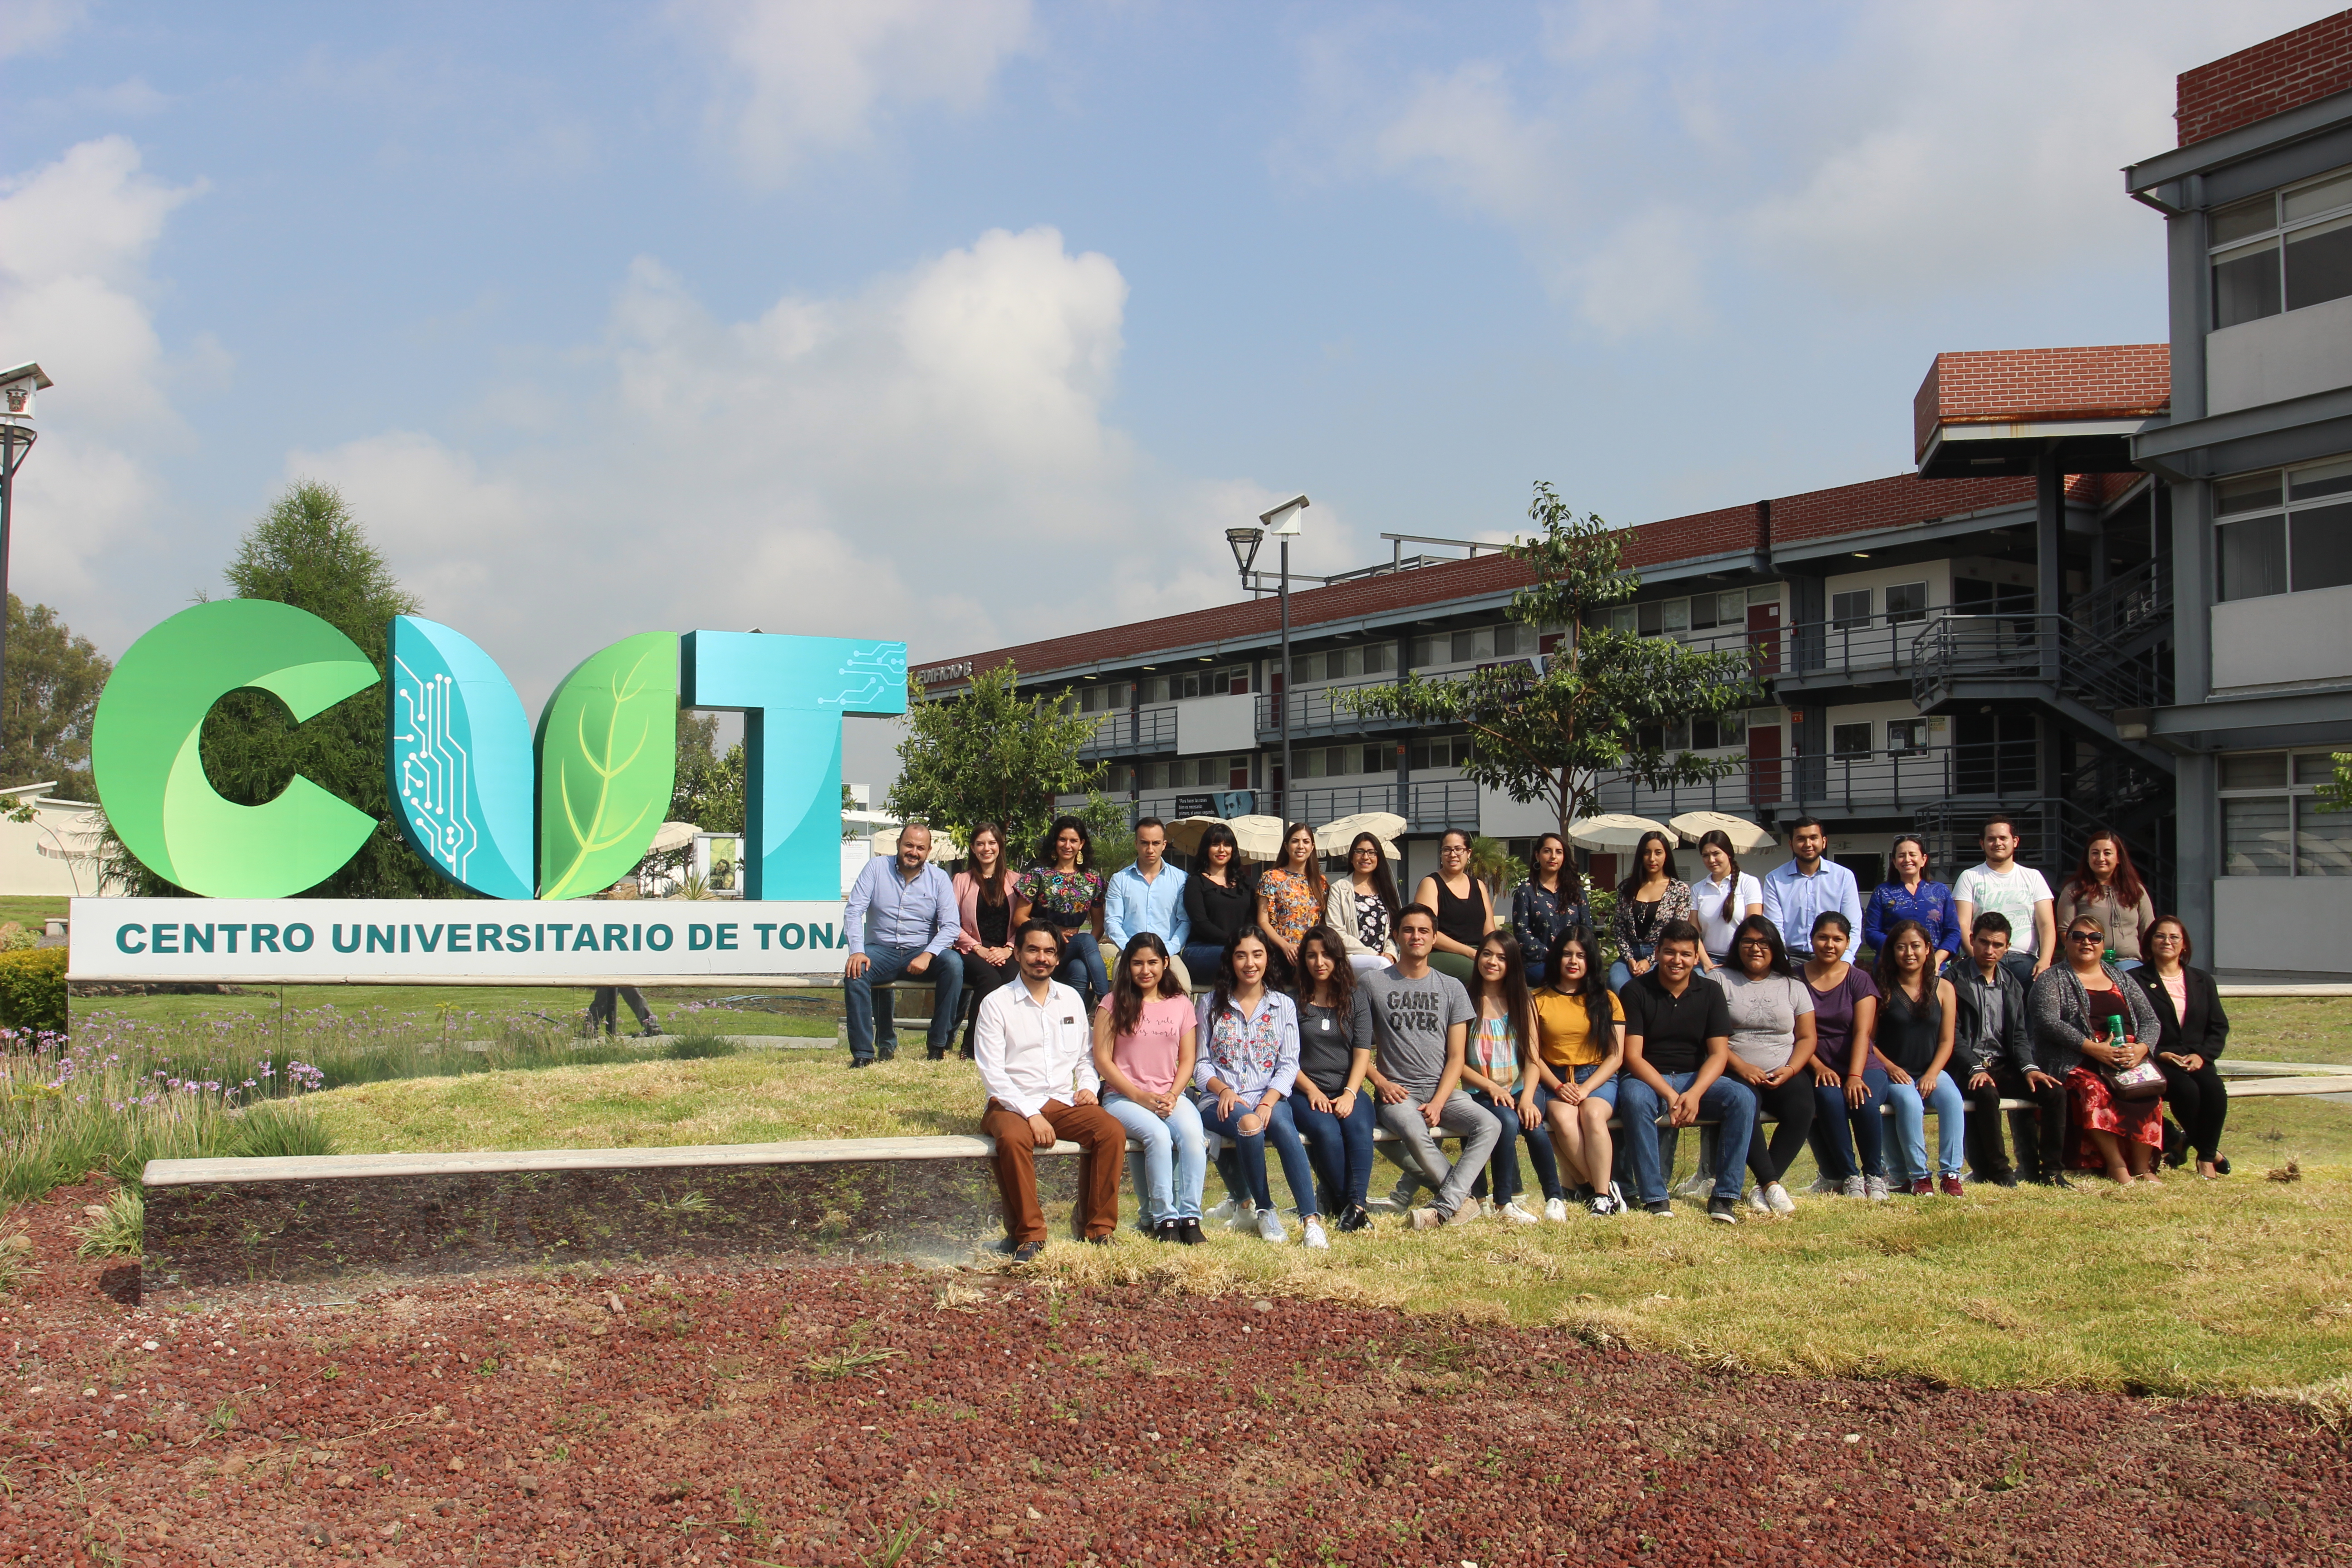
pixel 1422 1021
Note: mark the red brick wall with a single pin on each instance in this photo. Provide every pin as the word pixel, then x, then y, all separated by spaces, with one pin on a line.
pixel 2004 387
pixel 1899 500
pixel 2269 78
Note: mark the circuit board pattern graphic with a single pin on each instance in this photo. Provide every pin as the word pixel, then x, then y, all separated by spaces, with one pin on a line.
pixel 457 759
pixel 880 669
pixel 434 771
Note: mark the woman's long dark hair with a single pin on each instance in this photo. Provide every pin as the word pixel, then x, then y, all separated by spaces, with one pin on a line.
pixel 1773 934
pixel 1048 859
pixel 1125 996
pixel 1343 974
pixel 1888 980
pixel 2129 889
pixel 1719 839
pixel 1595 989
pixel 1571 880
pixel 1517 1005
pixel 1217 833
pixel 1384 886
pixel 1313 871
pixel 1226 980
pixel 999 887
pixel 1633 880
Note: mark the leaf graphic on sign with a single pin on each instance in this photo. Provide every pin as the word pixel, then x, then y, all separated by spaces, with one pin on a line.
pixel 607 763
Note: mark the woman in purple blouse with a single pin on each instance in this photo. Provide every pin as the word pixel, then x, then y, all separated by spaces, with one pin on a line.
pixel 1911 897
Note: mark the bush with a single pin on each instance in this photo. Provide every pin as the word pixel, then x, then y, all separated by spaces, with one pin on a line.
pixel 118 1228
pixel 695 1046
pixel 271 1129
pixel 33 990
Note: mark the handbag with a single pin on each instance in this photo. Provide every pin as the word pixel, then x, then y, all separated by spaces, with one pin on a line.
pixel 2145 1081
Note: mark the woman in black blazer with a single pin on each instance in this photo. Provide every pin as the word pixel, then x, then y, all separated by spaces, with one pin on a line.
pixel 2195 1031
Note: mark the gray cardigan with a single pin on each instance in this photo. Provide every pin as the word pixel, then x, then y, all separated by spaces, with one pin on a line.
pixel 2062 1016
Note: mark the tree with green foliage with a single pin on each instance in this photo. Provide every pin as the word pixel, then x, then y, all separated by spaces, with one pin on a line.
pixel 310 551
pixel 993 755
pixel 1548 737
pixel 45 707
pixel 709 788
pixel 2336 794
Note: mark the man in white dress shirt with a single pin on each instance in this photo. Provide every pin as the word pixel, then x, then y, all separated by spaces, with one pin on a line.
pixel 1033 1045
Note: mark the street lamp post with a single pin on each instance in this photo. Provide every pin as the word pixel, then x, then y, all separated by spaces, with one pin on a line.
pixel 1283 523
pixel 17 387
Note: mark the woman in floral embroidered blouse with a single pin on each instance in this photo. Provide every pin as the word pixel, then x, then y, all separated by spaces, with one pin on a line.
pixel 1290 901
pixel 1550 901
pixel 1248 1061
pixel 1065 888
pixel 1650 898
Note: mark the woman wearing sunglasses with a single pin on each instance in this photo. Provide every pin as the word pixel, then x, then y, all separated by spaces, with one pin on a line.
pixel 2072 1005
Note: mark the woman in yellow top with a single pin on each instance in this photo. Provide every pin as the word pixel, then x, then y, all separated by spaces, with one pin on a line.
pixel 1580 1046
pixel 1290 901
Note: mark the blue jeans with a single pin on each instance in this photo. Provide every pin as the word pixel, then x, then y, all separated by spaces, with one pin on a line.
pixel 1910 1159
pixel 1202 961
pixel 1341 1148
pixel 884 964
pixel 1082 970
pixel 1503 1165
pixel 1620 974
pixel 1834 1119
pixel 1250 1150
pixel 1175 1157
pixel 1727 1101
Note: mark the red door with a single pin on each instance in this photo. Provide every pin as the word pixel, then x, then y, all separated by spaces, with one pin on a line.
pixel 1764 638
pixel 1763 762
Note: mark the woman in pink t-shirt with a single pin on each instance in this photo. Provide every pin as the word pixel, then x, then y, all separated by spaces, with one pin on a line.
pixel 1144 1043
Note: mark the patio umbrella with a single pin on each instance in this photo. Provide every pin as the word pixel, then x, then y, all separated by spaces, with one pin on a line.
pixel 673 836
pixel 1258 837
pixel 1184 833
pixel 1613 832
pixel 1745 836
pixel 1333 838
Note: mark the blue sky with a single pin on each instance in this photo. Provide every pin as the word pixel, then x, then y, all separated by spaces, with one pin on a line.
pixel 972 321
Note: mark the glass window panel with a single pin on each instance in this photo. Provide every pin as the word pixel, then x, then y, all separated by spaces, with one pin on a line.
pixel 1702 612
pixel 2254 492
pixel 1906 602
pixel 1850 739
pixel 1310 764
pixel 1376 759
pixel 1731 609
pixel 2319 264
pixel 2320 547
pixel 2315 768
pixel 2240 219
pixel 2253 558
pixel 1425 650
pixel 1379 659
pixel 1624 618
pixel 2255 836
pixel 2323 840
pixel 2254 769
pixel 1907 734
pixel 1704 735
pixel 1850 609
pixel 2321 197
pixel 2319 480
pixel 2246 286
pixel 1731 729
pixel 1677 615
pixel 1653 617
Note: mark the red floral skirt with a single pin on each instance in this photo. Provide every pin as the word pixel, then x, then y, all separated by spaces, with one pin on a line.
pixel 2092 1107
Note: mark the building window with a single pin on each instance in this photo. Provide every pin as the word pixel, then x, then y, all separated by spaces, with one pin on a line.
pixel 2281 250
pixel 1907 735
pixel 1905 602
pixel 2271 822
pixel 1233 678
pixel 1718 610
pixel 1850 739
pixel 1850 611
pixel 1439 751
pixel 1344 663
pixel 2284 532
pixel 1104 696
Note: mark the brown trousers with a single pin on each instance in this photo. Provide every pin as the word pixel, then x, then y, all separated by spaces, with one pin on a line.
pixel 1094 1130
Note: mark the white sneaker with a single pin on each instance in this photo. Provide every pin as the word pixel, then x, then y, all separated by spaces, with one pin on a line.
pixel 1697 1184
pixel 1223 1211
pixel 1875 1189
pixel 1243 1218
pixel 1852 1187
pixel 1477 1206
pixel 1269 1226
pixel 1556 1210
pixel 1777 1196
pixel 1826 1187
pixel 1518 1212
pixel 1315 1240
pixel 1758 1201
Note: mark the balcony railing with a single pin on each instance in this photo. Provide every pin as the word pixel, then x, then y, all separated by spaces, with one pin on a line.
pixel 1431 806
pixel 1132 732
pixel 2094 669
pixel 1873 782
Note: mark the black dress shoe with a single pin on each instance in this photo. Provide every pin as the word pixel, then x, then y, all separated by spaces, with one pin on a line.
pixel 1357 1218
pixel 935 1056
pixel 1097 1241
pixel 1188 1231
pixel 861 1061
pixel 2221 1164
pixel 1028 1251
pixel 2059 1181
pixel 2004 1179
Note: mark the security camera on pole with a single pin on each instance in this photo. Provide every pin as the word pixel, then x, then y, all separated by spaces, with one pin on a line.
pixel 1283 523
pixel 16 389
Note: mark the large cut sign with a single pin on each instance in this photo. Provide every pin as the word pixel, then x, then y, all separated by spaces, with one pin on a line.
pixel 496 807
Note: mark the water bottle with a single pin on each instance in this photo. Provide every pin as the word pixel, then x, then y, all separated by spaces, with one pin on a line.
pixel 2115 1028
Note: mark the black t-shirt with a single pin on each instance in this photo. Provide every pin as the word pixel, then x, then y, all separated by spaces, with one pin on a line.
pixel 1328 1042
pixel 1218 913
pixel 1675 1029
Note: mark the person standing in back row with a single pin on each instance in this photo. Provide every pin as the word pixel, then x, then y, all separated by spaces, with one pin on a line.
pixel 2106 884
pixel 1796 894
pixel 1148 897
pixel 1548 903
pixel 1911 896
pixel 1220 903
pixel 2017 894
pixel 1464 909
pixel 1652 897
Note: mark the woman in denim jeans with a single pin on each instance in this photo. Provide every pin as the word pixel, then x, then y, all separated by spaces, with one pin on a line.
pixel 1334 1112
pixel 1496 1071
pixel 1144 1048
pixel 1249 1062
pixel 1914 1035
pixel 1580 1046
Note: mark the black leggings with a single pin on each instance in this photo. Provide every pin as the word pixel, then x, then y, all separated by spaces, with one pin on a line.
pixel 980 978
pixel 1792 1102
pixel 2041 1133
pixel 2199 1103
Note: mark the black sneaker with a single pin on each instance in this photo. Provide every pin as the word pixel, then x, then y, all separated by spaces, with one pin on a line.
pixel 2004 1178
pixel 1028 1251
pixel 1723 1211
pixel 1355 1219
pixel 1164 1231
pixel 1661 1208
pixel 1188 1231
pixel 861 1061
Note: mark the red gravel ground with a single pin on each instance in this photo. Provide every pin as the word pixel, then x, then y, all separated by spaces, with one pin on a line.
pixel 879 1415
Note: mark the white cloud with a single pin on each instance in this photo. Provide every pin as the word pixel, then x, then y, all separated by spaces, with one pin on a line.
pixel 75 236
pixel 809 76
pixel 27 27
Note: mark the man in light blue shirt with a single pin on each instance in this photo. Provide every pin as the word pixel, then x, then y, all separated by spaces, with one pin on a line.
pixel 1796 894
pixel 1147 896
pixel 900 924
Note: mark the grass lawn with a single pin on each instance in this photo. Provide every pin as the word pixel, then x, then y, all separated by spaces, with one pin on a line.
pixel 30 910
pixel 2291 1028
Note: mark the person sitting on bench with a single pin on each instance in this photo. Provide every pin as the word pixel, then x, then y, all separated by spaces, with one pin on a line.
pixel 1420 1020
pixel 1994 1057
pixel 1677 1039
pixel 1034 1048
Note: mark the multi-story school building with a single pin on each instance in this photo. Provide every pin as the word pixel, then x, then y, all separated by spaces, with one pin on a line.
pixel 2114 589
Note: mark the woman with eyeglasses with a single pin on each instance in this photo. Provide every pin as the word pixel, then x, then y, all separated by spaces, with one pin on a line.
pixel 1912 896
pixel 1290 899
pixel 2188 1006
pixel 1652 897
pixel 1550 901
pixel 1219 902
pixel 1466 910
pixel 1771 1053
pixel 2074 1005
pixel 1362 907
pixel 1065 890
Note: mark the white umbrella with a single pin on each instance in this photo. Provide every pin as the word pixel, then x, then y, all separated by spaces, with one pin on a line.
pixel 1258 837
pixel 1184 833
pixel 1613 832
pixel 1745 836
pixel 943 848
pixel 1333 838
pixel 673 836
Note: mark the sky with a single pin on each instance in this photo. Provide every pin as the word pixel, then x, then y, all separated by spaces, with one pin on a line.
pixel 972 321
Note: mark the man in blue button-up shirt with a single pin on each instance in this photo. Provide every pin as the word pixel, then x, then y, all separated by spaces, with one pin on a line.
pixel 900 923
pixel 1147 896
pixel 1796 894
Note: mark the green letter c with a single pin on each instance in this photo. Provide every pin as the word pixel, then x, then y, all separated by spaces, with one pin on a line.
pixel 151 777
